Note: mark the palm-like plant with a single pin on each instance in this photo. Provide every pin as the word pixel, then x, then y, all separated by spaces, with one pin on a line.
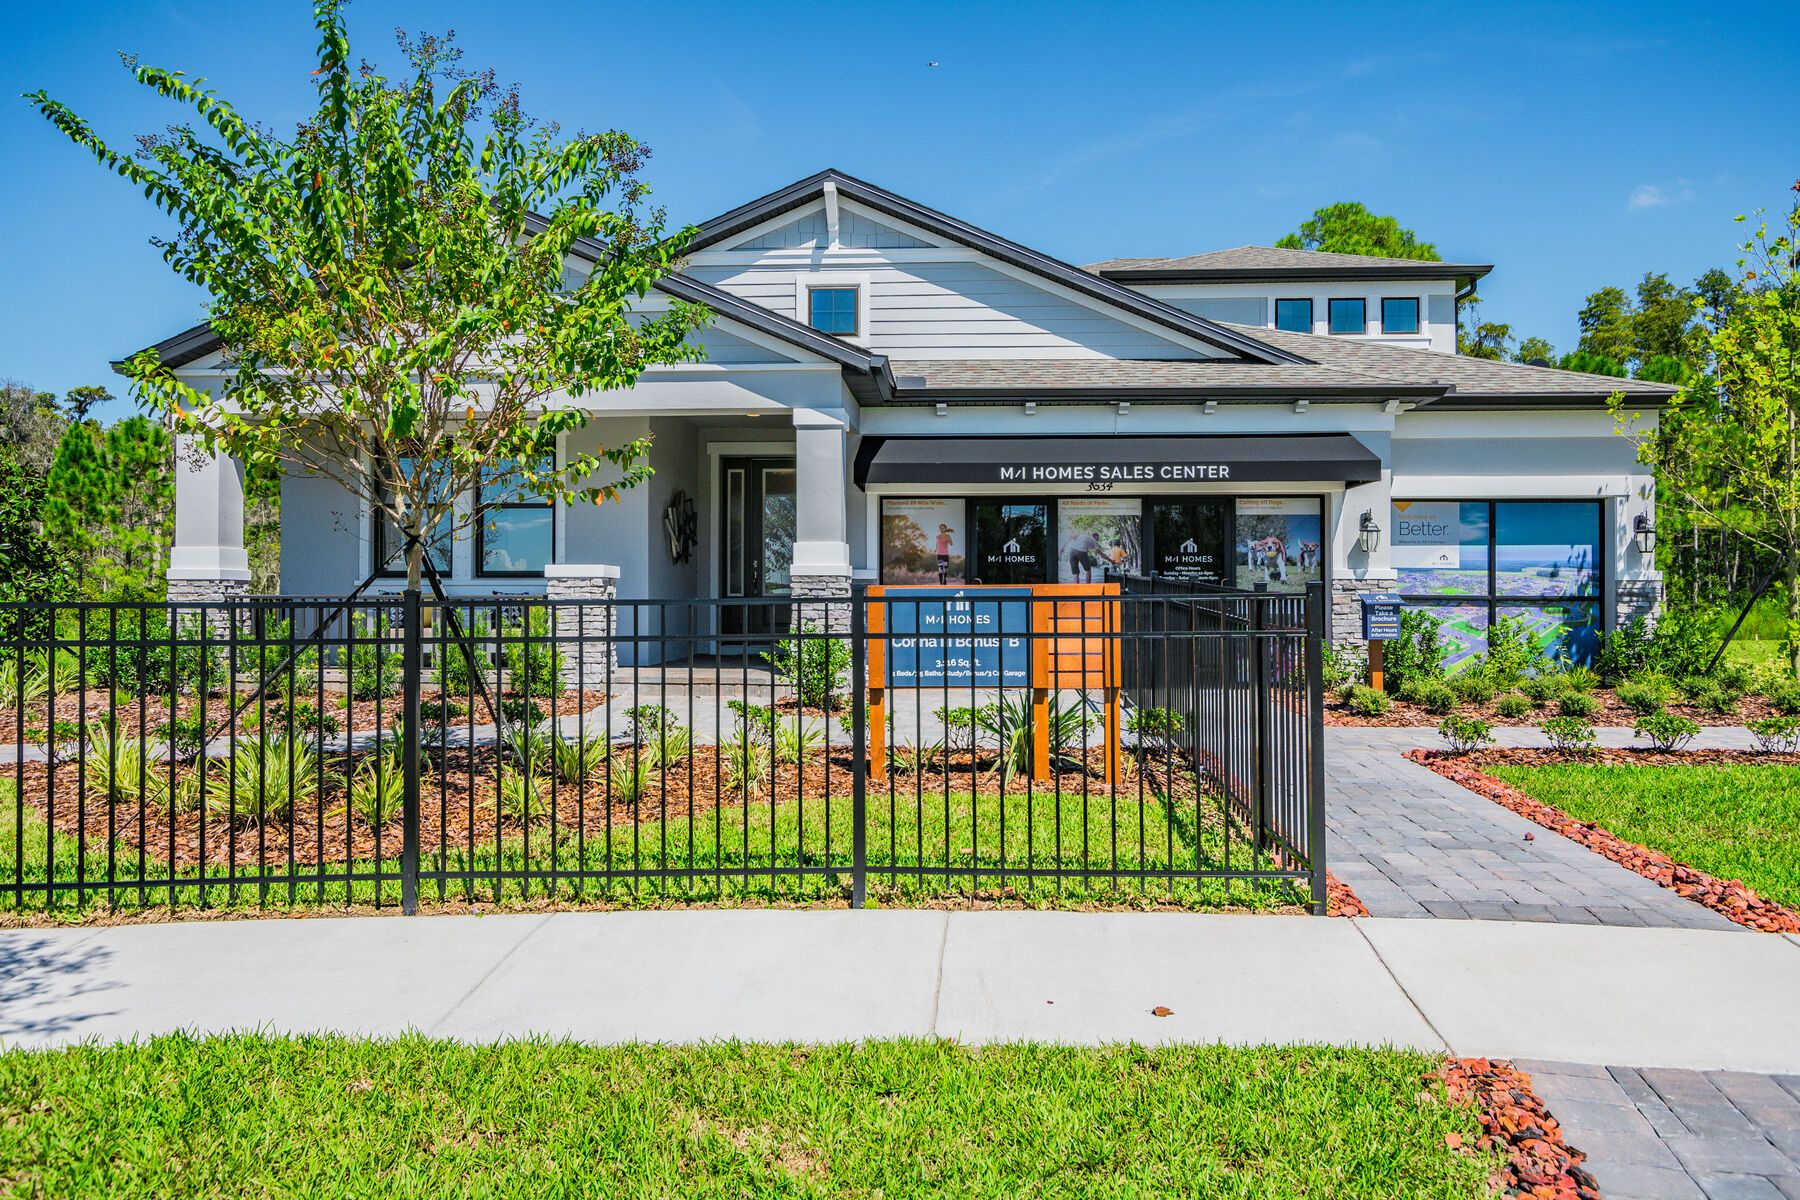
pixel 519 795
pixel 793 742
pixel 745 761
pixel 122 768
pixel 579 758
pixel 378 790
pixel 262 780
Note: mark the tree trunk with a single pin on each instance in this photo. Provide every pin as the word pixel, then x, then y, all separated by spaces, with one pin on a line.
pixel 1790 576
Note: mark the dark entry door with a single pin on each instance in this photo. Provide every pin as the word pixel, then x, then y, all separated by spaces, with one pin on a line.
pixel 757 542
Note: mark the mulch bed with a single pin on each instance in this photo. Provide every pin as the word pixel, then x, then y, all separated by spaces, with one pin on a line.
pixel 458 810
pixel 361 716
pixel 1514 1122
pixel 1727 896
pixel 1407 716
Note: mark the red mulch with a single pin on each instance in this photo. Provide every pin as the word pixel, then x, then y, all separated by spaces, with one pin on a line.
pixel 1515 1122
pixel 1407 716
pixel 1340 901
pixel 1727 896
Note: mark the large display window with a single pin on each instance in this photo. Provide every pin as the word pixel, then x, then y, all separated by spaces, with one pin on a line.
pixel 1255 543
pixel 1531 562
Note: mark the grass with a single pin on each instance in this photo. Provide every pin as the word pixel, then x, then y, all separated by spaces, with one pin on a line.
pixel 758 853
pixel 1736 822
pixel 251 1115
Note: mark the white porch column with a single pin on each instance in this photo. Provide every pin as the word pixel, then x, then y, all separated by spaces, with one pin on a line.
pixel 821 565
pixel 208 560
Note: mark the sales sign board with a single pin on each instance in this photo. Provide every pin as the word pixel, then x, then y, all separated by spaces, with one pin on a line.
pixel 954 638
pixel 1380 616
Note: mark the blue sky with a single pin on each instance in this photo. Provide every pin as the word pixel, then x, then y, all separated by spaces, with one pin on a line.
pixel 1573 146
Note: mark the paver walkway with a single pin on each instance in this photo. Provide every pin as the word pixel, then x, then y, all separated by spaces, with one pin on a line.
pixel 1411 843
pixel 1663 1134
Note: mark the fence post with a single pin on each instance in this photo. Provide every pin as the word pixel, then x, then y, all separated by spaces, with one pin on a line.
pixel 412 662
pixel 1260 700
pixel 1316 624
pixel 859 734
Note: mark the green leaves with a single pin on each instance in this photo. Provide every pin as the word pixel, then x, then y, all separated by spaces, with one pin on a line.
pixel 377 287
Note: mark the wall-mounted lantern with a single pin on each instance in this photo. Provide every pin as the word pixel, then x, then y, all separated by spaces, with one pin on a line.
pixel 1644 532
pixel 1368 533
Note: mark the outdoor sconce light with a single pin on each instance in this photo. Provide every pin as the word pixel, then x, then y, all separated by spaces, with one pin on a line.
pixel 1644 532
pixel 1368 533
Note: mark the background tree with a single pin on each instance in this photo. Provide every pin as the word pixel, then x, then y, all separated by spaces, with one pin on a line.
pixel 1535 349
pixel 30 423
pixel 1605 322
pixel 1350 228
pixel 79 402
pixel 1592 364
pixel 1728 450
pixel 1663 323
pixel 110 506
pixel 32 568
pixel 396 318
pixel 1481 339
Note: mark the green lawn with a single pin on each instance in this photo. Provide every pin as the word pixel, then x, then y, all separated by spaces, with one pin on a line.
pixel 1736 822
pixel 329 1117
pixel 761 853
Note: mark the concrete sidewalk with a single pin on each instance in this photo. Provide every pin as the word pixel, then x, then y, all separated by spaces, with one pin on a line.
pixel 1650 997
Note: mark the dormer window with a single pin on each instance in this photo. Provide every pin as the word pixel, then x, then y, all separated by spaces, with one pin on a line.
pixel 832 310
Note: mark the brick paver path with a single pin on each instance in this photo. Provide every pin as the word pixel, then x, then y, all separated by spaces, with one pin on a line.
pixel 1413 844
pixel 1678 1135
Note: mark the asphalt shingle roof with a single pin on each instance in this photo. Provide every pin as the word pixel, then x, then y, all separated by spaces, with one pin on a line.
pixel 1270 260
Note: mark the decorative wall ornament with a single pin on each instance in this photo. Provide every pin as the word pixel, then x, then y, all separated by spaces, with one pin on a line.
pixel 682 526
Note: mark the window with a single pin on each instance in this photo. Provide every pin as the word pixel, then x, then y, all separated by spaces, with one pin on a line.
pixel 390 556
pixel 1295 316
pixel 832 310
pixel 1190 536
pixel 1349 316
pixel 517 531
pixel 1400 315
pixel 1534 564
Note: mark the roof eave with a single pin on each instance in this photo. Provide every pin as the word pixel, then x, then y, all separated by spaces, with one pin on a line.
pixel 1461 273
pixel 1374 394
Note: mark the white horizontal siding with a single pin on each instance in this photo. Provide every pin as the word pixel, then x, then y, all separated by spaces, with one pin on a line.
pixel 958 309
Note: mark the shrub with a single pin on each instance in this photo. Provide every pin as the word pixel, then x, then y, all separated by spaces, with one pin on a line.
pixel 1786 699
pixel 517 798
pixel 1437 698
pixel 1569 735
pixel 1513 705
pixel 123 768
pixel 453 677
pixel 1577 678
pixel 1414 691
pixel 534 666
pixel 1418 653
pixel 520 710
pixel 959 726
pixel 1158 729
pixel 263 778
pixel 377 791
pixel 1716 700
pixel 744 759
pixel 796 739
pixel 1366 701
pixel 1474 687
pixel 1542 689
pixel 1776 735
pixel 1666 731
pixel 1734 677
pixel 1577 704
pixel 1512 651
pixel 529 745
pixel 138 661
pixel 1685 639
pixel 183 735
pixel 756 718
pixel 813 665
pixel 1624 652
pixel 442 712
pixel 1466 733
pixel 199 656
pixel 578 758
pixel 307 716
pixel 1343 663
pixel 1642 698
pixel 374 670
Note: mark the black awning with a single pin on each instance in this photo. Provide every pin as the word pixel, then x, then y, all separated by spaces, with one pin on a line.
pixel 1266 458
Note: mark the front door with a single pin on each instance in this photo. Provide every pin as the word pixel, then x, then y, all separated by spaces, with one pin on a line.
pixel 757 542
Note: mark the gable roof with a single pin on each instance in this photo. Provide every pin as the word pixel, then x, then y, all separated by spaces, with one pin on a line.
pixel 805 191
pixel 1262 263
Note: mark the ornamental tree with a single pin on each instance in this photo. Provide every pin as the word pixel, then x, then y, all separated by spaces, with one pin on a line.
pixel 396 315
pixel 1727 450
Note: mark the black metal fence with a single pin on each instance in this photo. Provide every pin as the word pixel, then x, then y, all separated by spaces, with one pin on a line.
pixel 1158 748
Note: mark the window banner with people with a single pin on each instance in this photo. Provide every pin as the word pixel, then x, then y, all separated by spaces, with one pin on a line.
pixel 923 541
pixel 1099 534
pixel 1280 544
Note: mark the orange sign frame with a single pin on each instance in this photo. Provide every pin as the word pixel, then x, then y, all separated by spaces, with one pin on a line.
pixel 1074 637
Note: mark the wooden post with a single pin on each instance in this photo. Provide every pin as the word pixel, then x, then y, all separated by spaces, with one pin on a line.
pixel 878 734
pixel 1375 672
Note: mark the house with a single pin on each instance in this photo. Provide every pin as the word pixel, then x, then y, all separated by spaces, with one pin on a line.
pixel 892 394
